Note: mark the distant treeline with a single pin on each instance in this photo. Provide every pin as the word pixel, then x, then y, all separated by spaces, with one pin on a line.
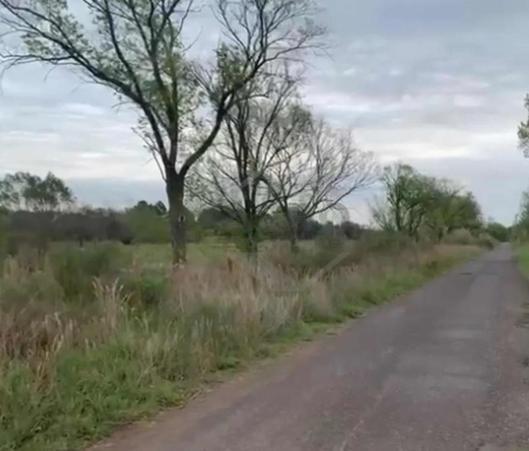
pixel 36 210
pixel 148 223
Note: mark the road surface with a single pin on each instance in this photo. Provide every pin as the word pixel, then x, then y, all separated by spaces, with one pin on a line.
pixel 441 369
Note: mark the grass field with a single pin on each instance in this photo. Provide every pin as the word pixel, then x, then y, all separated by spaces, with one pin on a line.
pixel 209 250
pixel 74 367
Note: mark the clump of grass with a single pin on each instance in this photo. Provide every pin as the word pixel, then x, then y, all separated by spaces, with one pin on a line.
pixel 145 337
pixel 75 268
pixel 522 254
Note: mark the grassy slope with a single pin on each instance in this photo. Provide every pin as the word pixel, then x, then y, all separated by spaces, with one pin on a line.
pixel 96 389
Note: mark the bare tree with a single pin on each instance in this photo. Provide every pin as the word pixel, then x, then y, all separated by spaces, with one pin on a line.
pixel 137 50
pixel 317 172
pixel 258 129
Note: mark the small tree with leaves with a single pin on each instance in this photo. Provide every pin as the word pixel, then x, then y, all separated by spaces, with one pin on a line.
pixel 407 198
pixel 450 209
pixel 26 191
pixel 415 203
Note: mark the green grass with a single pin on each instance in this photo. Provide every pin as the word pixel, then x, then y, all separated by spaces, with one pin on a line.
pixel 152 362
pixel 206 251
pixel 522 253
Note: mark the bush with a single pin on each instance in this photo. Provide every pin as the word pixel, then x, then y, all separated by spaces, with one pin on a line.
pixel 3 236
pixel 486 240
pixel 75 268
pixel 147 226
pixel 498 232
pixel 460 236
pixel 465 237
pixel 145 287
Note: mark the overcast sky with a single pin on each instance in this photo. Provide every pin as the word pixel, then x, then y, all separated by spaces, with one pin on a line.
pixel 438 84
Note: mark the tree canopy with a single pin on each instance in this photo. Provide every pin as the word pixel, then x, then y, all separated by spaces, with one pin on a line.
pixel 414 203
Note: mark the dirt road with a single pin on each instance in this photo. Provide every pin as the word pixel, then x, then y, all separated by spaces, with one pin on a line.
pixel 441 369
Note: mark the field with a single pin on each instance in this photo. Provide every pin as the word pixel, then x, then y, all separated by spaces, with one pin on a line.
pixel 95 337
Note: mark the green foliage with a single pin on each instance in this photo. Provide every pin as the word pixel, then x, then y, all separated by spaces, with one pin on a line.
pixel 146 287
pixel 460 236
pixel 416 205
pixel 147 225
pixel 466 237
pixel 75 268
pixel 4 230
pixel 112 381
pixel 522 253
pixel 498 231
pixel 212 221
pixel 407 196
pixel 449 210
pixel 33 193
pixel 485 240
pixel 521 227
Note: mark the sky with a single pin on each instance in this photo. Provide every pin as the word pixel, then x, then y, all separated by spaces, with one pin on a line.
pixel 438 84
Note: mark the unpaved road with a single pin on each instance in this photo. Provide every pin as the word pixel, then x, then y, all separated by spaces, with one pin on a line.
pixel 441 369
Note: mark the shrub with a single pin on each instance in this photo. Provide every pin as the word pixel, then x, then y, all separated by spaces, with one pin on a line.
pixel 486 240
pixel 465 237
pixel 145 287
pixel 75 268
pixel 460 236
pixel 498 231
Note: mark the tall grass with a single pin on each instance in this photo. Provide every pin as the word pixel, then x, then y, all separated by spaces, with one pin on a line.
pixel 90 338
pixel 522 253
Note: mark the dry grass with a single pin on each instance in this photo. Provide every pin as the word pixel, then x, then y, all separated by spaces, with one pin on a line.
pixel 73 368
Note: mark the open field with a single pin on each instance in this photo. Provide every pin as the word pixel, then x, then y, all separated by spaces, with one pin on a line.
pixel 90 339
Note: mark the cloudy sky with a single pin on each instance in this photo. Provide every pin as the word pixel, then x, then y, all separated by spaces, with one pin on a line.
pixel 438 84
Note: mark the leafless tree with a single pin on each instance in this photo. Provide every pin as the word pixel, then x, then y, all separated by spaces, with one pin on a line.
pixel 136 49
pixel 317 173
pixel 257 131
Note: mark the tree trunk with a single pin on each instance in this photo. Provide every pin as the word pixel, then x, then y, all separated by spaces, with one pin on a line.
pixel 294 245
pixel 292 228
pixel 293 232
pixel 177 215
pixel 252 245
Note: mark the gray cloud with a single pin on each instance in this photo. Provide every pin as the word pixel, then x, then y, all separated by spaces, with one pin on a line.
pixel 436 83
